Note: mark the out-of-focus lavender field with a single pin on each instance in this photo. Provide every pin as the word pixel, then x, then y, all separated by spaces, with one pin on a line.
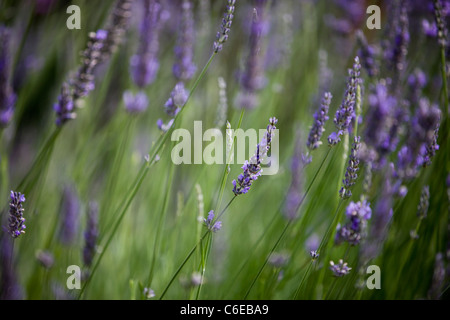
pixel 106 187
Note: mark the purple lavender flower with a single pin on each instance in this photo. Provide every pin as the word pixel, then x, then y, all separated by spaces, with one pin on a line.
pixel 117 26
pixel 416 82
pixel 10 288
pixel 178 98
pixel 421 135
pixel 214 227
pixel 16 221
pixel 367 54
pixel 346 112
pixel 7 96
pixel 320 117
pixel 91 234
pixel 135 103
pixel 252 168
pixel 184 68
pixel 70 210
pixel 83 83
pixel 354 230
pixel 164 127
pixel 227 20
pixel 422 208
pixel 253 79
pixel 440 23
pixel 380 120
pixel 144 64
pixel 64 108
pixel 396 54
pixel 341 269
pixel 431 148
pixel 351 173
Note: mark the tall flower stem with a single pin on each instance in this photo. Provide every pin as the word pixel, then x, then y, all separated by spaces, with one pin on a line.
pixel 280 237
pixel 143 173
pixel 191 252
pixel 160 225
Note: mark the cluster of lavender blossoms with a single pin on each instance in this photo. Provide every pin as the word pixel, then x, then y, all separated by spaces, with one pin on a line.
pixel 252 169
pixel 340 269
pixel 346 112
pixel 351 174
pixel 367 54
pixel 7 96
pixel 320 117
pixel 353 231
pixel 144 64
pixel 16 221
pixel 70 212
pixel 227 20
pixel 210 224
pixel 421 144
pixel 135 103
pixel 100 47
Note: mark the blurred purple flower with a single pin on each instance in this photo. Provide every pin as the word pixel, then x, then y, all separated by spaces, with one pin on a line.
pixel 90 234
pixel 7 96
pixel 144 64
pixel 184 67
pixel 340 269
pixel 64 108
pixel 135 103
pixel 69 216
pixel 358 213
pixel 351 173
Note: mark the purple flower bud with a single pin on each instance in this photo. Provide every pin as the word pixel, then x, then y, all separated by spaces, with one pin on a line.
pixel 178 98
pixel 354 230
pixel 16 221
pixel 137 103
pixel 341 269
pixel 64 109
pixel 214 227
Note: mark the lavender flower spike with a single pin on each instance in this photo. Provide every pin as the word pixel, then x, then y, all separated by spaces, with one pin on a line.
pixel 64 108
pixel 7 96
pixel 91 234
pixel 440 23
pixel 16 221
pixel 184 68
pixel 320 117
pixel 214 227
pixel 83 83
pixel 252 169
pixel 351 173
pixel 358 214
pixel 144 64
pixel 227 20
pixel 70 210
pixel 346 112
